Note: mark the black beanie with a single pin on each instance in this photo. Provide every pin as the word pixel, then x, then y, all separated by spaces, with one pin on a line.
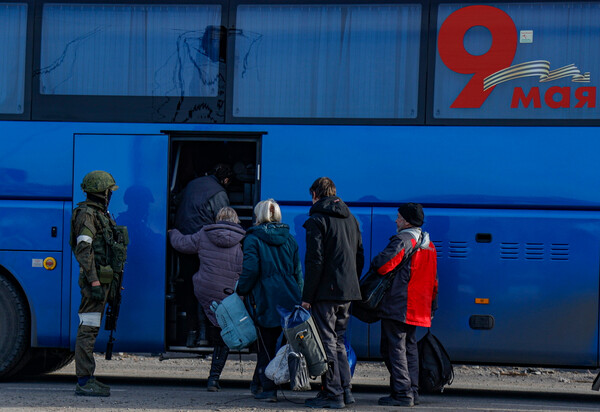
pixel 412 213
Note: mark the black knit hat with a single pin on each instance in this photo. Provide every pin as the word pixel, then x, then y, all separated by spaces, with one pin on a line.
pixel 412 213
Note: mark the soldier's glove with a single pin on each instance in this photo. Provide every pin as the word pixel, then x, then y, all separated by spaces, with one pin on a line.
pixel 97 293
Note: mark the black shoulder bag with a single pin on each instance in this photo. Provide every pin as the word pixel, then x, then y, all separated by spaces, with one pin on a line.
pixel 373 288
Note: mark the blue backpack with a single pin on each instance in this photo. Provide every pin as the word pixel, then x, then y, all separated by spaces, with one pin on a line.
pixel 237 328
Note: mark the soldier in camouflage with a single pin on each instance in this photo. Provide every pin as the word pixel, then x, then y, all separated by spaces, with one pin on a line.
pixel 99 246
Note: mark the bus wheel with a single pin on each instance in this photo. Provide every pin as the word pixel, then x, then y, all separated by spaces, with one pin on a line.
pixel 14 329
pixel 46 360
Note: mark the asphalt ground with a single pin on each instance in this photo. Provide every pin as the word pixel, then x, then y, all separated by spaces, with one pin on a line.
pixel 145 383
pixel 55 393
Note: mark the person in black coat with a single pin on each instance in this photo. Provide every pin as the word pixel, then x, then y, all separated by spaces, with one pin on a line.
pixel 333 263
pixel 197 206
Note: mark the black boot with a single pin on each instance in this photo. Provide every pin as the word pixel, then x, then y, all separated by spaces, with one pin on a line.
pixel 256 386
pixel 191 338
pixel 202 321
pixel 216 367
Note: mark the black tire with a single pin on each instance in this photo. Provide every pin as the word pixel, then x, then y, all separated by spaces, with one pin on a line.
pixel 14 329
pixel 46 360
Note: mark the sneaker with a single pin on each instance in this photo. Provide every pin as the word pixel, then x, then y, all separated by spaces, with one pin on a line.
pixel 100 384
pixel 321 401
pixel 267 396
pixel 91 388
pixel 322 395
pixel 348 398
pixel 389 401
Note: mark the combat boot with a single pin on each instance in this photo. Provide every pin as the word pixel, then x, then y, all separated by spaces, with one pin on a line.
pixel 91 388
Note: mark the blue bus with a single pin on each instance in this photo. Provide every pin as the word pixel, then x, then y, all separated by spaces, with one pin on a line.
pixel 485 112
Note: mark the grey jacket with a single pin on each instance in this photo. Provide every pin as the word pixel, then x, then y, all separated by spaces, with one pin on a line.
pixel 220 251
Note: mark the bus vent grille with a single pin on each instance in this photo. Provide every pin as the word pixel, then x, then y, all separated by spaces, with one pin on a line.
pixel 534 251
pixel 509 250
pixel 439 248
pixel 457 250
pixel 559 251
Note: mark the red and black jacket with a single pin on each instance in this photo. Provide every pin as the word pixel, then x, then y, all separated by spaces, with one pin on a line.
pixel 414 290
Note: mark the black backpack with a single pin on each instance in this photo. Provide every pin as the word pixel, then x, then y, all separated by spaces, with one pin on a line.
pixel 435 369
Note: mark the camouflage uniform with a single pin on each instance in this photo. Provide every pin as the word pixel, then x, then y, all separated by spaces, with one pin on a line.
pixel 101 258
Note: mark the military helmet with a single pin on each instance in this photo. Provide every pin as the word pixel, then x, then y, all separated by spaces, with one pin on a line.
pixel 98 181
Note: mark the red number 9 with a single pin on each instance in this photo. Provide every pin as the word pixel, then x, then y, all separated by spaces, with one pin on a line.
pixel 500 55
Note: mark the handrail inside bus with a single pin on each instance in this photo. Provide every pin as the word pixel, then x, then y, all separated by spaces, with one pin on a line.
pixel 174 178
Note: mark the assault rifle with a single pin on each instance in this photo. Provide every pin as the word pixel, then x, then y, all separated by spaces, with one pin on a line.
pixel 112 313
pixel 118 255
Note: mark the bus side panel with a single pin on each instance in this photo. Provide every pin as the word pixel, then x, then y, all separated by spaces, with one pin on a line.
pixel 520 166
pixel 33 161
pixel 31 231
pixel 28 225
pixel 42 288
pixel 295 216
pixel 139 165
pixel 538 271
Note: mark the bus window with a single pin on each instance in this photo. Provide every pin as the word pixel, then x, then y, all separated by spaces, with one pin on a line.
pixel 130 50
pixel 13 32
pixel 327 61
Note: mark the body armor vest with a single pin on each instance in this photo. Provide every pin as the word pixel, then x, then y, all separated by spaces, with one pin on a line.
pixel 109 244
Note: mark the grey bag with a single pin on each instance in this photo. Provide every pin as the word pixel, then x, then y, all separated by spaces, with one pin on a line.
pixel 304 338
pixel 298 372
pixel 596 383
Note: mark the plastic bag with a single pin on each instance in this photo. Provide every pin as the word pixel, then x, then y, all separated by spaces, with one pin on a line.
pixel 298 372
pixel 277 370
pixel 292 318
pixel 350 354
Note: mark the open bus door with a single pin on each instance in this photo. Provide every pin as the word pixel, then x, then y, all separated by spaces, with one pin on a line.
pixel 139 165
pixel 195 154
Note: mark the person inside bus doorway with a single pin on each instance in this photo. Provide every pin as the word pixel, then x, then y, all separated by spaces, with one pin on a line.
pixel 334 260
pixel 197 206
pixel 100 251
pixel 415 287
